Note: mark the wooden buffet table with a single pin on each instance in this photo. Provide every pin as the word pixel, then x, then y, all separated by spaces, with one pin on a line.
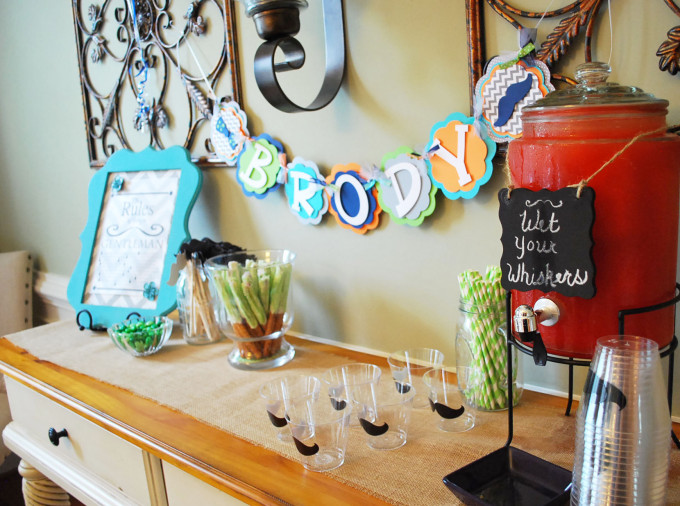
pixel 135 436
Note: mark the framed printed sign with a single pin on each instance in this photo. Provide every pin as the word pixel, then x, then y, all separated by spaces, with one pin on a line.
pixel 139 205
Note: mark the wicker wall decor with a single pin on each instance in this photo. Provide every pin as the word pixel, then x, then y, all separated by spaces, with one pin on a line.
pixel 148 70
pixel 576 17
pixel 669 50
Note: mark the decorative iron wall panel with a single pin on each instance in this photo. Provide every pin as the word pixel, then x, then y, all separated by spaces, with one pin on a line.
pixel 173 53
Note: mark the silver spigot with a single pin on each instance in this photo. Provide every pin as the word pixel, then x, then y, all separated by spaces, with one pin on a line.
pixel 526 319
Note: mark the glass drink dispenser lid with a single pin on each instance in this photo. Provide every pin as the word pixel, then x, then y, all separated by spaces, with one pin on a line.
pixel 593 89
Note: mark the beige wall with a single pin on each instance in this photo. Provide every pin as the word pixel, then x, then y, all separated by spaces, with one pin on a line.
pixel 407 69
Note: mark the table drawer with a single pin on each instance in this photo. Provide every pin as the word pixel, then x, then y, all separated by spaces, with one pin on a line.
pixel 111 458
pixel 182 489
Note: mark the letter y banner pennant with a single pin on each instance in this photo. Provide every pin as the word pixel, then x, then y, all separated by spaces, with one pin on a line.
pixel 459 161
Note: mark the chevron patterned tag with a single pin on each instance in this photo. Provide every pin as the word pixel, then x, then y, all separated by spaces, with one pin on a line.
pixel 504 91
pixel 228 131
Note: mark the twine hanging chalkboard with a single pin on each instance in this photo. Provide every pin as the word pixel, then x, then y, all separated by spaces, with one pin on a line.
pixel 547 240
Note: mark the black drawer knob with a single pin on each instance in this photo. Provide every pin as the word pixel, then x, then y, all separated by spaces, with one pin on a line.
pixel 55 435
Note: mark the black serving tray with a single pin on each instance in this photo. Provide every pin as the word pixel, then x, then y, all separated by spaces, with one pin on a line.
pixel 510 477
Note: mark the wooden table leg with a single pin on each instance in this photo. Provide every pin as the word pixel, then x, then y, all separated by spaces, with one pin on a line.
pixel 39 490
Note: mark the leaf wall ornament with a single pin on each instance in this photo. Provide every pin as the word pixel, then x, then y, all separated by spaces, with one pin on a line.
pixel 669 52
pixel 558 41
pixel 94 15
pixel 97 48
pixel 199 99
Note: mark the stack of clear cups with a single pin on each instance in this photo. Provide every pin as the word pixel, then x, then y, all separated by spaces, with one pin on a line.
pixel 623 426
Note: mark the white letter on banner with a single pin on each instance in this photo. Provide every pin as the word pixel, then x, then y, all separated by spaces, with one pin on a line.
pixel 300 195
pixel 457 161
pixel 404 205
pixel 256 163
pixel 362 215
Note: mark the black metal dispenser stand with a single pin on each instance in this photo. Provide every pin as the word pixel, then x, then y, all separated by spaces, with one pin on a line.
pixel 511 473
pixel 667 351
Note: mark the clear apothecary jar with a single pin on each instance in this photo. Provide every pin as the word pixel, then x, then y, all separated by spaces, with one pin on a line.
pixel 194 305
pixel 481 357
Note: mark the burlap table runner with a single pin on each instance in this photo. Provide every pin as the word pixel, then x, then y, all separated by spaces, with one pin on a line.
pixel 198 381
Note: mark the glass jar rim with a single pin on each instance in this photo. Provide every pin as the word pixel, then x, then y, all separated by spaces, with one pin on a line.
pixel 469 306
pixel 283 256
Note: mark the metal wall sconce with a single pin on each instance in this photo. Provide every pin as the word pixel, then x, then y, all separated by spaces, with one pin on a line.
pixel 277 22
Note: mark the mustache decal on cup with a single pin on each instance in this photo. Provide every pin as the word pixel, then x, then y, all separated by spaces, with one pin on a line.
pixel 373 430
pixel 446 412
pixel 603 391
pixel 402 388
pixel 276 420
pixel 304 449
pixel 338 404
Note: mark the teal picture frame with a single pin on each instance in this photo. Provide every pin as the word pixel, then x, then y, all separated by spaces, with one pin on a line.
pixel 139 205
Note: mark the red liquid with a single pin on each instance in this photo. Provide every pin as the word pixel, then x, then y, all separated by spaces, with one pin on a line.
pixel 637 201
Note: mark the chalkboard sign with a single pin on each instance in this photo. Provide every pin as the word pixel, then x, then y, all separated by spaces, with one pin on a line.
pixel 547 241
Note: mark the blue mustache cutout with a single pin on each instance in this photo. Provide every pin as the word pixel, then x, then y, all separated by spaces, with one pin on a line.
pixel 514 94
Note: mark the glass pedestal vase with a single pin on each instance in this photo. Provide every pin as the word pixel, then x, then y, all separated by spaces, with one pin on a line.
pixel 252 297
pixel 261 352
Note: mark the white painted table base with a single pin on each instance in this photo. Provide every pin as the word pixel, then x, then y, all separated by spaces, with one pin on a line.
pixel 38 490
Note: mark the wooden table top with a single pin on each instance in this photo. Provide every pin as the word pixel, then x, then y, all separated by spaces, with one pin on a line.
pixel 251 473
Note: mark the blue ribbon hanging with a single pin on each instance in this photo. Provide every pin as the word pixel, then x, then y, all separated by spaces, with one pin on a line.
pixel 143 110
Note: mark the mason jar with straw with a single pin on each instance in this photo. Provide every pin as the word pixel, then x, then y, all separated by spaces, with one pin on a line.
pixel 480 341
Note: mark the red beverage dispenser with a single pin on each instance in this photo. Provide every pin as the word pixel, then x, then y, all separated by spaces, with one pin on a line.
pixel 567 137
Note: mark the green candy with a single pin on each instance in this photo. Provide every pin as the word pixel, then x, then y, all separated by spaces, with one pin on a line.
pixel 140 336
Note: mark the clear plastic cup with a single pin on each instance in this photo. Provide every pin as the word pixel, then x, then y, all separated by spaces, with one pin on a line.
pixel 285 392
pixel 320 431
pixel 447 400
pixel 348 382
pixel 623 425
pixel 409 366
pixel 385 414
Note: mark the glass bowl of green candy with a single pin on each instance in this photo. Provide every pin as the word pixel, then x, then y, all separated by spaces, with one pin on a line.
pixel 141 337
